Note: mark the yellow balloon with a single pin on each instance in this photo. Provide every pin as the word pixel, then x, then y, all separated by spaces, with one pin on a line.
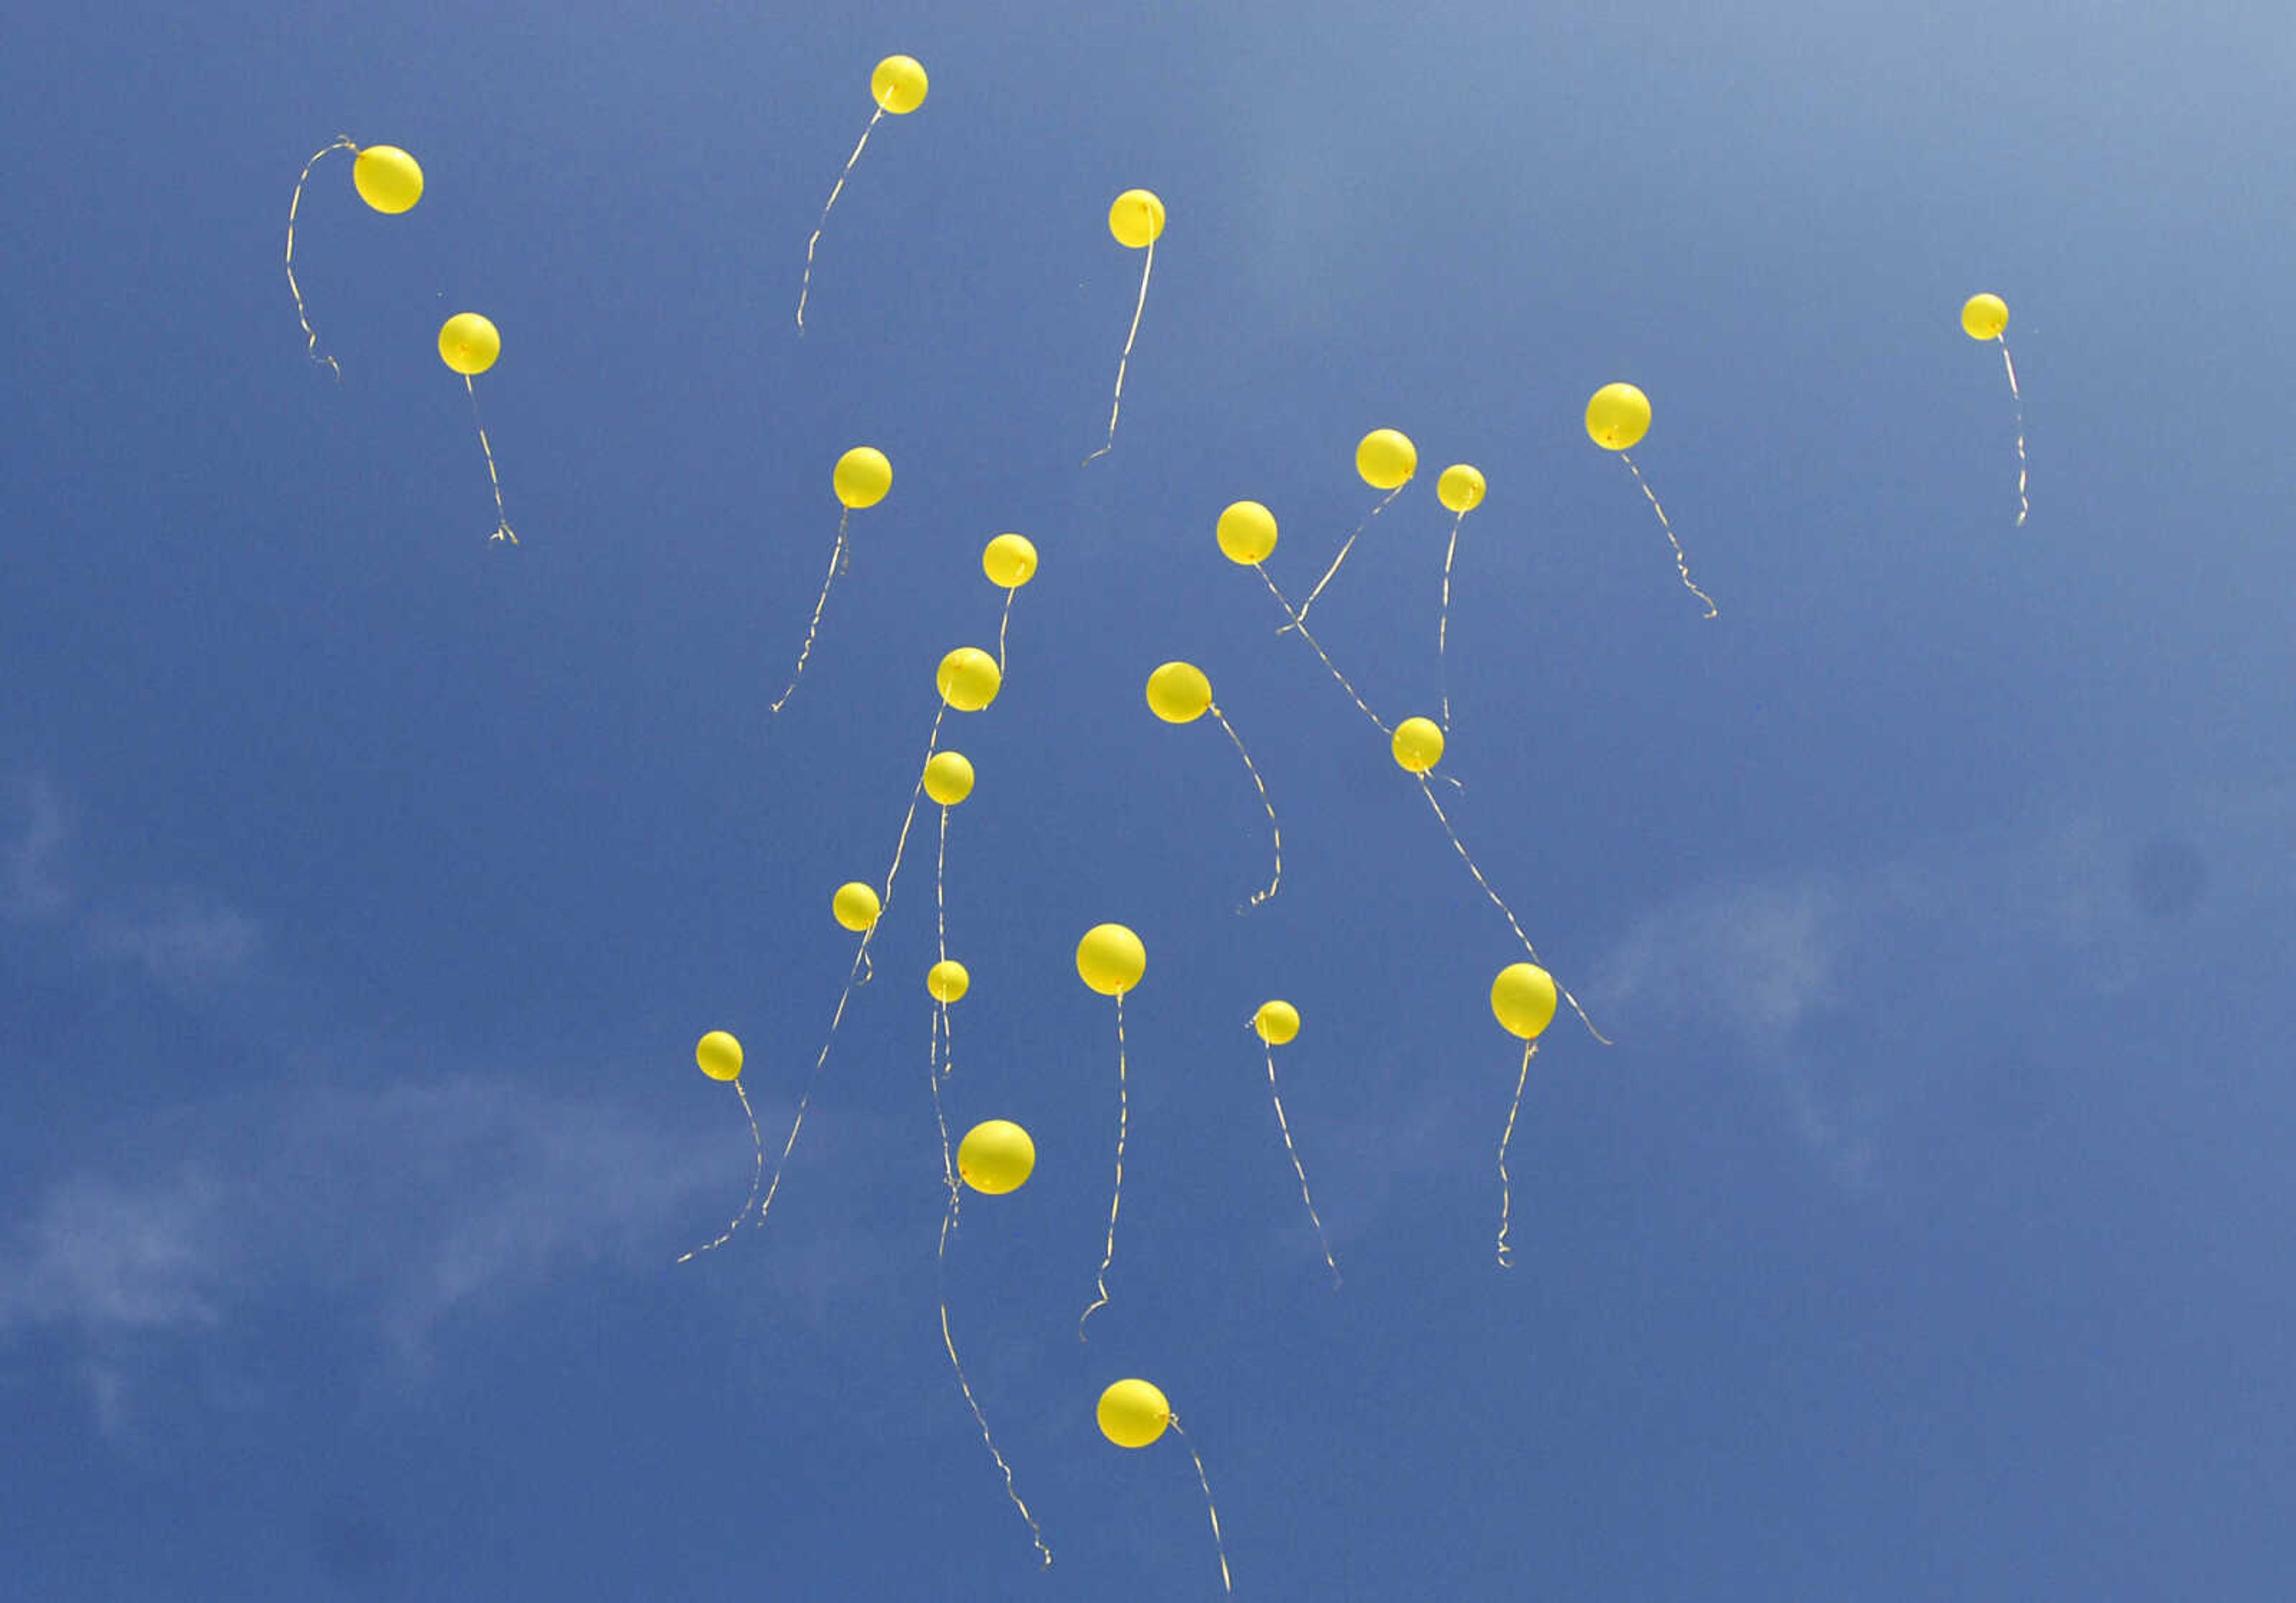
pixel 1523 999
pixel 1111 959
pixel 1277 1022
pixel 720 1056
pixel 1136 219
pixel 1618 417
pixel 1179 693
pixel 1460 488
pixel 947 981
pixel 856 905
pixel 1133 1413
pixel 469 344
pixel 898 84
pixel 969 679
pixel 862 478
pixel 948 777
pixel 996 1156
pixel 1386 458
pixel 1010 561
pixel 387 178
pixel 1418 744
pixel 1984 316
pixel 1246 533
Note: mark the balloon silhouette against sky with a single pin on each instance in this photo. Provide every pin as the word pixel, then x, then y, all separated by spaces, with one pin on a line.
pixel 1136 218
pixel 468 344
pixel 386 177
pixel 1986 316
pixel 897 84
pixel 862 478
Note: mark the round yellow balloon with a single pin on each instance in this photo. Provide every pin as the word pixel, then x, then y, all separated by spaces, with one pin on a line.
pixel 387 178
pixel 1386 458
pixel 856 905
pixel 469 344
pixel 947 981
pixel 1111 959
pixel 719 1055
pixel 1246 533
pixel 1010 561
pixel 863 476
pixel 1460 488
pixel 1136 219
pixel 1133 1413
pixel 969 679
pixel 898 84
pixel 1523 999
pixel 1618 417
pixel 1418 744
pixel 948 777
pixel 1984 316
pixel 996 1156
pixel 1179 693
pixel 1277 1022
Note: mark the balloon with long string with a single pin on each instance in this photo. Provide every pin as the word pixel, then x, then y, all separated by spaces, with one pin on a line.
pixel 1277 1024
pixel 719 1055
pixel 947 782
pixel 1179 693
pixel 1385 459
pixel 1987 318
pixel 1010 561
pixel 1522 999
pixel 1135 1414
pixel 897 84
pixel 1247 532
pixel 1136 218
pixel 1460 489
pixel 1110 960
pixel 386 177
pixel 1618 416
pixel 862 478
pixel 468 344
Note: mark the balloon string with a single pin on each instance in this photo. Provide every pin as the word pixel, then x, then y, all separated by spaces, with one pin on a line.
pixel 1275 828
pixel 1036 1532
pixel 342 142
pixel 1506 1186
pixel 756 1179
pixel 1316 646
pixel 1117 405
pixel 1443 624
pixel 806 288
pixel 1115 1196
pixel 1681 565
pixel 502 518
pixel 2017 403
pixel 837 560
pixel 1459 847
pixel 1003 625
pixel 1218 1546
pixel 1301 618
pixel 1297 1168
pixel 943 1061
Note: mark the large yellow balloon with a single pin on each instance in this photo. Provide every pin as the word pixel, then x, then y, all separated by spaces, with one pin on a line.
pixel 969 679
pixel 855 905
pixel 1418 744
pixel 1523 999
pixel 1133 1413
pixel 1387 459
pixel 1246 533
pixel 898 84
pixel 1010 561
pixel 1111 959
pixel 1136 219
pixel 948 980
pixel 720 1056
pixel 1460 488
pixel 948 777
pixel 469 344
pixel 387 178
pixel 996 1156
pixel 1618 417
pixel 1277 1022
pixel 1179 693
pixel 1984 316
pixel 863 476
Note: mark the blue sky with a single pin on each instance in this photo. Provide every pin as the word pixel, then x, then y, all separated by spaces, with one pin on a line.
pixel 364 886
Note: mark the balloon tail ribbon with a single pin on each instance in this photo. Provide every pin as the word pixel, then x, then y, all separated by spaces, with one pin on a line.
pixel 1301 618
pixel 1681 564
pixel 756 1179
pixel 806 288
pixel 1297 1168
pixel 1274 828
pixel 1203 1480
pixel 837 560
pixel 1117 404
pixel 342 142
pixel 2017 403
pixel 1316 646
pixel 1036 1533
pixel 1506 911
pixel 502 518
pixel 1443 623
pixel 936 1073
pixel 1116 1195
pixel 1003 625
pixel 1506 1186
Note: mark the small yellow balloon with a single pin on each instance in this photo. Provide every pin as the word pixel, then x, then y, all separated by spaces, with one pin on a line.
pixel 387 178
pixel 1460 488
pixel 469 344
pixel 856 905
pixel 898 84
pixel 969 679
pixel 1111 959
pixel 720 1056
pixel 1010 561
pixel 1179 693
pixel 1984 316
pixel 996 1156
pixel 947 981
pixel 1277 1022
pixel 863 476
pixel 1133 1413
pixel 1387 459
pixel 1418 744
pixel 1523 999
pixel 1246 533
pixel 948 777
pixel 1618 417
pixel 1136 219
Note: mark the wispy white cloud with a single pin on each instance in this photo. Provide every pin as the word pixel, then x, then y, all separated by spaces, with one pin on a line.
pixel 31 868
